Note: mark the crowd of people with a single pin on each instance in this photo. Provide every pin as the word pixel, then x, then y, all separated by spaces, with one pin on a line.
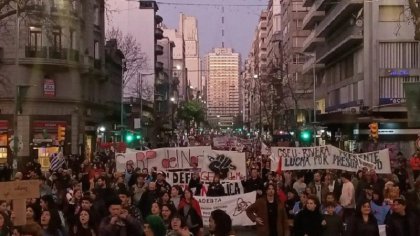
pixel 92 198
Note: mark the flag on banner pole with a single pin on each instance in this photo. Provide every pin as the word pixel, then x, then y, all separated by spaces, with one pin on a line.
pixel 264 149
pixel 57 161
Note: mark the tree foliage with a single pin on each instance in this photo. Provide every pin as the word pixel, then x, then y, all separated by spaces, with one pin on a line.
pixel 191 111
pixel 415 13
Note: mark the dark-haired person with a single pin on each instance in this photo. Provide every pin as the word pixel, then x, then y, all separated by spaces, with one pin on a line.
pixel 269 214
pixel 332 224
pixel 402 221
pixel 220 223
pixel 176 192
pixel 195 183
pixel 254 183
pixel 363 222
pixel 32 218
pixel 178 227
pixel 161 185
pixel 84 225
pixel 148 197
pixel 50 223
pixel 119 222
pixel 5 227
pixel 216 189
pixel 308 222
pixel 167 212
pixel 126 202
pixel 189 208
pixel 379 208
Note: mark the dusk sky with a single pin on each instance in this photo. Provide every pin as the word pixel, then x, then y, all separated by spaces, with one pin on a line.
pixel 241 18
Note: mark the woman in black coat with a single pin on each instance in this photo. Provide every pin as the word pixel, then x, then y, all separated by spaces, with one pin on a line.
pixel 363 222
pixel 309 220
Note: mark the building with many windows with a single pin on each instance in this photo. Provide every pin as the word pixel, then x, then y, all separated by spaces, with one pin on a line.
pixel 222 66
pixel 58 83
pixel 363 53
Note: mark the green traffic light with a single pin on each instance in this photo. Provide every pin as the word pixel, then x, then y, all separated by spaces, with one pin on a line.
pixel 138 136
pixel 305 135
pixel 129 138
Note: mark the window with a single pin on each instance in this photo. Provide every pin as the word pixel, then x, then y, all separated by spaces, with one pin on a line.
pixel 391 13
pixel 35 38
pixel 57 39
pixel 96 16
pixel 96 51
pixel 72 39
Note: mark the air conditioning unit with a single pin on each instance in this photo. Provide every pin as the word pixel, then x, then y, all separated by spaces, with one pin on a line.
pixel 354 110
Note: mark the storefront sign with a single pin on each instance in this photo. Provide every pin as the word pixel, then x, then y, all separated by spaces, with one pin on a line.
pixel 49 87
pixel 385 101
pixel 398 73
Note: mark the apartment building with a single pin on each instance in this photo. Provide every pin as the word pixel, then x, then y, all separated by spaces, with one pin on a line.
pixel 222 86
pixel 67 83
pixel 363 53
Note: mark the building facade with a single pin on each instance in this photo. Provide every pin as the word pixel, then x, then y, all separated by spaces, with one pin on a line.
pixel 223 68
pixel 55 76
pixel 188 25
pixel 363 53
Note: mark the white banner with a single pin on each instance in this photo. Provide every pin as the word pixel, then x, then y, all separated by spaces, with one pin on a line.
pixel 235 206
pixel 329 157
pixel 177 163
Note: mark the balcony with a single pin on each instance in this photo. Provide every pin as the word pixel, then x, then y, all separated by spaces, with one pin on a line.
pixel 343 41
pixel 311 42
pixel 35 52
pixel 159 65
pixel 315 14
pixel 74 55
pixel 158 33
pixel 308 66
pixel 58 53
pixel 158 49
pixel 340 12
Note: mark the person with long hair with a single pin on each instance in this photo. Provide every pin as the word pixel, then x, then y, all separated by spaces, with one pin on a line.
pixel 32 216
pixel 379 208
pixel 4 226
pixel 178 226
pixel 176 192
pixel 309 220
pixel 167 212
pixel 190 209
pixel 155 209
pixel 84 225
pixel 363 221
pixel 220 223
pixel 269 214
pixel 50 223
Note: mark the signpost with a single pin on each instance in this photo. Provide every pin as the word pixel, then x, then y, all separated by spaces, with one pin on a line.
pixel 18 192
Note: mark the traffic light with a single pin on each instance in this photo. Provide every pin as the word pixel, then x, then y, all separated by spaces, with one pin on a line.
pixel 374 131
pixel 129 137
pixel 305 136
pixel 61 133
pixel 138 136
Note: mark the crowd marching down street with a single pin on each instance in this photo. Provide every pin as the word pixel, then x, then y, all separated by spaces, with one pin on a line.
pixel 205 190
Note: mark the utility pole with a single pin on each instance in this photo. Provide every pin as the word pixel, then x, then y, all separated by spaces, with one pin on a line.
pixel 123 61
pixel 17 88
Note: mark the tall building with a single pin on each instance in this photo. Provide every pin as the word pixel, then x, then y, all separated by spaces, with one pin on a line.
pixel 189 27
pixel 363 52
pixel 60 80
pixel 223 68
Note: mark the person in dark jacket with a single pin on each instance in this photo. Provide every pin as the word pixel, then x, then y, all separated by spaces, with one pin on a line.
pixel 308 222
pixel 195 184
pixel 119 222
pixel 161 185
pixel 147 199
pixel 363 221
pixel 216 189
pixel 332 224
pixel 255 183
pixel 402 222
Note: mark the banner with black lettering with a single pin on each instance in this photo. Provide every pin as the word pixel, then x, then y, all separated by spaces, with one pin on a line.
pixel 329 157
pixel 235 206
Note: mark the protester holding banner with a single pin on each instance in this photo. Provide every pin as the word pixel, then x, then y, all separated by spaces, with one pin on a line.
pixel 254 183
pixel 269 214
pixel 195 184
pixel 216 189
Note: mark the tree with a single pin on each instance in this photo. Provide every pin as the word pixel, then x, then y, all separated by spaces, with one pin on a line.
pixel 191 111
pixel 415 14
pixel 136 60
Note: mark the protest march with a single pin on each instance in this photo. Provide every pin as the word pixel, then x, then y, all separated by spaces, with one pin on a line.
pixel 277 190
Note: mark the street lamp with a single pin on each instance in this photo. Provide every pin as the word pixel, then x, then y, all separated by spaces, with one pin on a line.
pixel 257 76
